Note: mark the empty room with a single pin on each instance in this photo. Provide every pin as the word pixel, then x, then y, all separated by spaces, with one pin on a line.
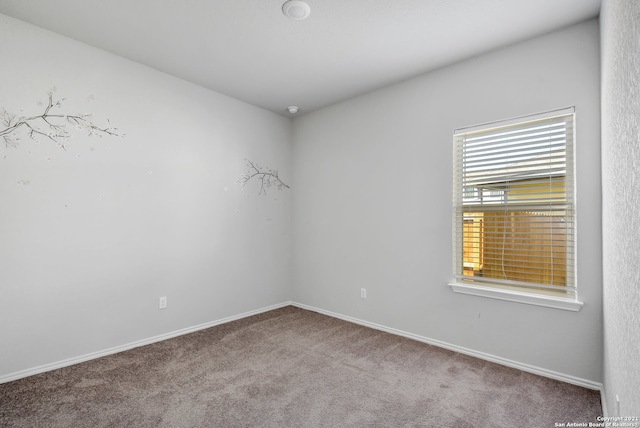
pixel 319 213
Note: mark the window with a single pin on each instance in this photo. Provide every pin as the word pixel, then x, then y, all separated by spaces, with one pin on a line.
pixel 514 210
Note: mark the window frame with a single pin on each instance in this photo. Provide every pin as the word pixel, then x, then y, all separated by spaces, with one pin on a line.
pixel 566 300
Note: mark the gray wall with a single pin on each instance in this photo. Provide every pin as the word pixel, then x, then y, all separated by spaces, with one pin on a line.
pixel 372 206
pixel 92 236
pixel 620 202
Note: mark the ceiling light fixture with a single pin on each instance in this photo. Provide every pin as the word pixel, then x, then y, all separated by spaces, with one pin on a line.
pixel 292 109
pixel 296 9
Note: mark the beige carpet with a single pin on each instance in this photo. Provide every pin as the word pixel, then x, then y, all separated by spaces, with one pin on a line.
pixel 292 368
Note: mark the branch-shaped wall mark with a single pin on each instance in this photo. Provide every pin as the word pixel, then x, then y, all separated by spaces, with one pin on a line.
pixel 50 124
pixel 267 177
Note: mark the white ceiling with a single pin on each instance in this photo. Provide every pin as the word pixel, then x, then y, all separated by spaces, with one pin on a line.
pixel 249 50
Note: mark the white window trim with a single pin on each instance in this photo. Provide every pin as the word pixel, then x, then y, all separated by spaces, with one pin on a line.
pixel 544 298
pixel 511 295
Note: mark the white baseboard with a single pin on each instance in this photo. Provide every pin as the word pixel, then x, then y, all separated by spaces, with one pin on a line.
pixel 603 399
pixel 482 355
pixel 110 351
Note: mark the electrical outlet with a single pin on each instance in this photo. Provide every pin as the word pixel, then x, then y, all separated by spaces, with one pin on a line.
pixel 162 303
pixel 363 293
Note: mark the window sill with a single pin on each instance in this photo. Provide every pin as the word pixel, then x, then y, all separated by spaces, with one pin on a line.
pixel 511 295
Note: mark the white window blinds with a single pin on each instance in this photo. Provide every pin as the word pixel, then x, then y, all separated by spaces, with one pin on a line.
pixel 514 216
